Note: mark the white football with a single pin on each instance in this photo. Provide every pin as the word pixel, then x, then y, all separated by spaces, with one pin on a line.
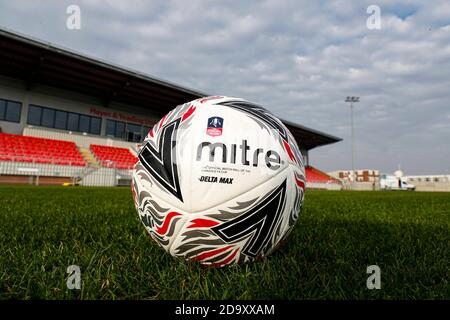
pixel 219 180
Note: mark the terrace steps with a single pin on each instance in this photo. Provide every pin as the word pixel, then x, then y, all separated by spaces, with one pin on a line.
pixel 89 157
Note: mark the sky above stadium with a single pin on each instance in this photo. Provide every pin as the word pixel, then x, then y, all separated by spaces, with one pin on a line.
pixel 300 59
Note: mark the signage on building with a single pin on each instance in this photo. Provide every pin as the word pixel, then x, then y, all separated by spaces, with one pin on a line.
pixel 122 117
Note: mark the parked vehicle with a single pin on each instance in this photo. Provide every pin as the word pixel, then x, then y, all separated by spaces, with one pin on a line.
pixel 388 182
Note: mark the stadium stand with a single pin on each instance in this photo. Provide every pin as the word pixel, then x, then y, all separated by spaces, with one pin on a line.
pixel 79 139
pixel 120 158
pixel 83 103
pixel 317 179
pixel 19 148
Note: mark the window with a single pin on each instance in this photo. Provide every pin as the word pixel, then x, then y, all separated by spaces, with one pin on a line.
pixel 85 122
pixel 95 125
pixel 34 115
pixel 120 129
pixel 72 121
pixel 53 118
pixel 133 128
pixel 110 128
pixel 2 109
pixel 133 132
pixel 13 110
pixel 115 129
pixel 10 110
pixel 145 132
pixel 48 118
pixel 128 131
pixel 60 119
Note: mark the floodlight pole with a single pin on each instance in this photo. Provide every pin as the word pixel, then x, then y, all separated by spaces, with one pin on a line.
pixel 352 100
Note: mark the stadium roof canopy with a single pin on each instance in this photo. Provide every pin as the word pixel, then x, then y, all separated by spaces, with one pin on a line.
pixel 34 61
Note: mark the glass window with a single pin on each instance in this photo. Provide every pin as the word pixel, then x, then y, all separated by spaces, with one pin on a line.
pixel 72 121
pixel 60 119
pixel 137 137
pixel 2 109
pixel 52 118
pixel 120 129
pixel 34 115
pixel 84 123
pixel 110 128
pixel 133 132
pixel 48 118
pixel 13 111
pixel 133 128
pixel 96 124
pixel 146 131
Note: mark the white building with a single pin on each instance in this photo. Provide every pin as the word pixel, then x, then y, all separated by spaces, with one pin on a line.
pixel 430 182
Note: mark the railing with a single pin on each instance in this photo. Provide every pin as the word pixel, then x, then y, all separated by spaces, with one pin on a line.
pixel 110 175
pixel 42 160
pixel 34 169
pixel 114 165
pixel 328 185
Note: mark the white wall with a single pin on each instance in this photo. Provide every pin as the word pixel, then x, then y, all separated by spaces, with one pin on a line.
pixel 442 184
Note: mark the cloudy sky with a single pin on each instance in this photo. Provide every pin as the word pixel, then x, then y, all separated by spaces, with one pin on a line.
pixel 300 59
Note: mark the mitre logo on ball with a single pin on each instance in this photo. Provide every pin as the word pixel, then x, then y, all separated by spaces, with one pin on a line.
pixel 214 195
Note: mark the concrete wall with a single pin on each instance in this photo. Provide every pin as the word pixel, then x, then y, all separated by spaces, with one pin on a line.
pixel 361 186
pixel 323 186
pixel 433 186
pixel 430 182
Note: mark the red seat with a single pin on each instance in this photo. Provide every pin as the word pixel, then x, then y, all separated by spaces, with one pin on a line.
pixel 38 150
pixel 317 176
pixel 114 157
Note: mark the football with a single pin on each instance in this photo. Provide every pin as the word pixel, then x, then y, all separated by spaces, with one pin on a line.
pixel 219 180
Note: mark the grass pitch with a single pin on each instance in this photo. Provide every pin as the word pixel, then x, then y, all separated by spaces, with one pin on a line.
pixel 43 230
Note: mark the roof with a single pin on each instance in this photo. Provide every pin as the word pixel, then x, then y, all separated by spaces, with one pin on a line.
pixel 309 138
pixel 34 61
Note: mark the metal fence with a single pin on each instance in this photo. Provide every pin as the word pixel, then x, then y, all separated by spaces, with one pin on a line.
pixel 78 175
pixel 323 185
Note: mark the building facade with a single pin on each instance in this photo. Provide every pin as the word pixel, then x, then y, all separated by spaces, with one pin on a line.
pixel 432 183
pixel 364 175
